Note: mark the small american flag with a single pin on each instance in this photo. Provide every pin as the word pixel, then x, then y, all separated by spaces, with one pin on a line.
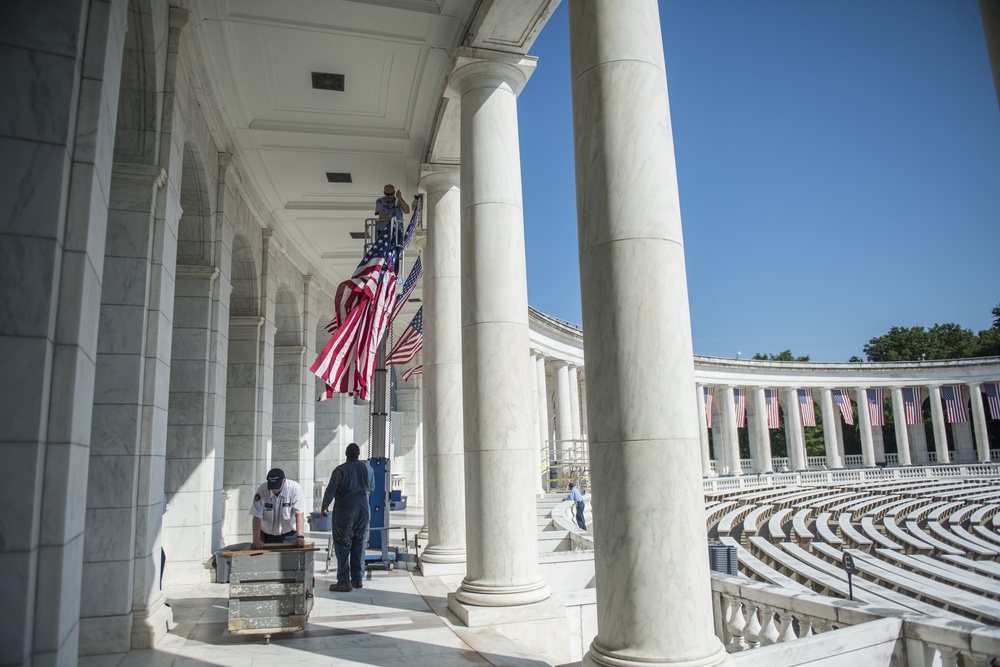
pixel 347 361
pixel 411 228
pixel 771 401
pixel 410 342
pixel 740 399
pixel 912 404
pixel 993 398
pixel 954 404
pixel 408 287
pixel 843 400
pixel 410 372
pixel 807 407
pixel 709 393
pixel 875 409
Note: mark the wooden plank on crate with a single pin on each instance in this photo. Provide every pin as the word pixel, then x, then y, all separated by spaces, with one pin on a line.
pixel 258 626
pixel 265 589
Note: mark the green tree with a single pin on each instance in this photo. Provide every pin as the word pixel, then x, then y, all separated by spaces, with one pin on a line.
pixel 786 355
pixel 941 341
pixel 996 317
pixel 899 344
pixel 855 358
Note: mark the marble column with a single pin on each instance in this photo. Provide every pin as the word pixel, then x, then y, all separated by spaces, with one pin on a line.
pixel 444 457
pixel 989 10
pixel 979 422
pixel 794 435
pixel 937 421
pixel 732 436
pixel 564 414
pixel 288 426
pixel 653 594
pixel 543 418
pixel 502 553
pixel 706 455
pixel 830 417
pixel 865 427
pixel 899 423
pixel 961 433
pixel 762 431
pixel 574 407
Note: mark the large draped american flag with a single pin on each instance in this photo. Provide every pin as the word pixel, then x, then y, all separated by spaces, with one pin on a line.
pixel 410 342
pixel 954 403
pixel 362 311
pixel 740 400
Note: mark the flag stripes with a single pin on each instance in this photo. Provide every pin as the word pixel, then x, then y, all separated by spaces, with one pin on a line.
pixel 709 401
pixel 410 372
pixel 954 403
pixel 410 342
pixel 740 400
pixel 912 399
pixel 806 406
pixel 875 409
pixel 992 390
pixel 843 400
pixel 773 414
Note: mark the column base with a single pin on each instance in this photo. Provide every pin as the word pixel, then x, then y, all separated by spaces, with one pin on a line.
pixel 150 626
pixel 101 635
pixel 534 625
pixel 597 657
pixel 508 596
pixel 435 562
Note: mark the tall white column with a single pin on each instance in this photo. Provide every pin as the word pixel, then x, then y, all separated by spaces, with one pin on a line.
pixel 794 435
pixel 536 426
pixel 763 433
pixel 865 427
pixel 732 439
pixel 543 418
pixel 502 551
pixel 564 412
pixel 644 442
pixel 706 456
pixel 444 455
pixel 979 422
pixel 899 422
pixel 937 422
pixel 833 460
pixel 574 406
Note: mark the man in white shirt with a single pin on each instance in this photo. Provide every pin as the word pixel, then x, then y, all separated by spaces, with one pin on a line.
pixel 278 511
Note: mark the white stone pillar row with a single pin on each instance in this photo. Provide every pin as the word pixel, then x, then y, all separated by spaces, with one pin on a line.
pixel 899 424
pixel 564 415
pixel 979 422
pixel 654 597
pixel 502 553
pixel 763 462
pixel 706 455
pixel 732 435
pixel 937 422
pixel 794 435
pixel 830 417
pixel 444 455
pixel 543 419
pixel 865 427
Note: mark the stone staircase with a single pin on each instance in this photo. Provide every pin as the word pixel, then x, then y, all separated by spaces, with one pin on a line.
pixel 551 538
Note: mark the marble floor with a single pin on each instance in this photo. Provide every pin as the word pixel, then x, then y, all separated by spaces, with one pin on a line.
pixel 398 618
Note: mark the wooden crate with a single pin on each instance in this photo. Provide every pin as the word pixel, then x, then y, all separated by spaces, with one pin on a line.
pixel 271 590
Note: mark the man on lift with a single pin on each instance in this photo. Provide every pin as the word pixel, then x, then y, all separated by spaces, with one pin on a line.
pixel 390 207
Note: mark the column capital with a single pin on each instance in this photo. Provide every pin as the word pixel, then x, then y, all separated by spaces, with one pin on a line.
pixel 481 68
pixel 439 177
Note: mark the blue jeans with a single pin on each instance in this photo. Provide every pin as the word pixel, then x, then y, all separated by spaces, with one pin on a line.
pixel 350 534
pixel 580 521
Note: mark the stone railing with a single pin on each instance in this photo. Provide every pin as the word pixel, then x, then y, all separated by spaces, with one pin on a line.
pixel 718 484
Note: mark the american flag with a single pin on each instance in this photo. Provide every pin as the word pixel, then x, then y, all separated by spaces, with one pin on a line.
pixel 954 404
pixel 992 390
pixel 347 361
pixel 875 410
pixel 912 404
pixel 410 342
pixel 411 228
pixel 408 287
pixel 843 399
pixel 709 393
pixel 410 372
pixel 740 399
pixel 807 407
pixel 771 401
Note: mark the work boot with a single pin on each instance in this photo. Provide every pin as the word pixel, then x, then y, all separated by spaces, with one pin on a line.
pixel 357 583
pixel 341 587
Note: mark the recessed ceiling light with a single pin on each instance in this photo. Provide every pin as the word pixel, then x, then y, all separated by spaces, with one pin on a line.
pixel 338 177
pixel 327 81
pixel 414 300
pixel 357 235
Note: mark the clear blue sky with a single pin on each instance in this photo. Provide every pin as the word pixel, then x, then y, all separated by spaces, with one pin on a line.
pixel 838 163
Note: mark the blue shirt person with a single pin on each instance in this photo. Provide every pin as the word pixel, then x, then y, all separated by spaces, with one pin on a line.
pixel 349 488
pixel 577 497
pixel 390 207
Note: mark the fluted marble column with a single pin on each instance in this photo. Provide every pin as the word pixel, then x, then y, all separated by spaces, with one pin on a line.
pixel 979 422
pixel 833 460
pixel 536 394
pixel 865 427
pixel 763 432
pixel 574 406
pixel 653 586
pixel 706 455
pixel 502 551
pixel 564 412
pixel 732 434
pixel 543 416
pixel 899 423
pixel 937 421
pixel 444 456
pixel 794 435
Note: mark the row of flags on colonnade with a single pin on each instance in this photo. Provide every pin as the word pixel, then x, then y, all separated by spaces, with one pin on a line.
pixel 953 397
pixel 365 306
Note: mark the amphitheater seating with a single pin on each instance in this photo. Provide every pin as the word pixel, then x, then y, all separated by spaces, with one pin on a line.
pixel 911 543
pixel 775 525
pixel 763 571
pixel 800 526
pixel 943 572
pixel 951 537
pixel 868 526
pixel 938 545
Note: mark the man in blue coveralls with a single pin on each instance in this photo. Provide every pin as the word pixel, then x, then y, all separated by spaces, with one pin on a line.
pixel 349 487
pixel 577 497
